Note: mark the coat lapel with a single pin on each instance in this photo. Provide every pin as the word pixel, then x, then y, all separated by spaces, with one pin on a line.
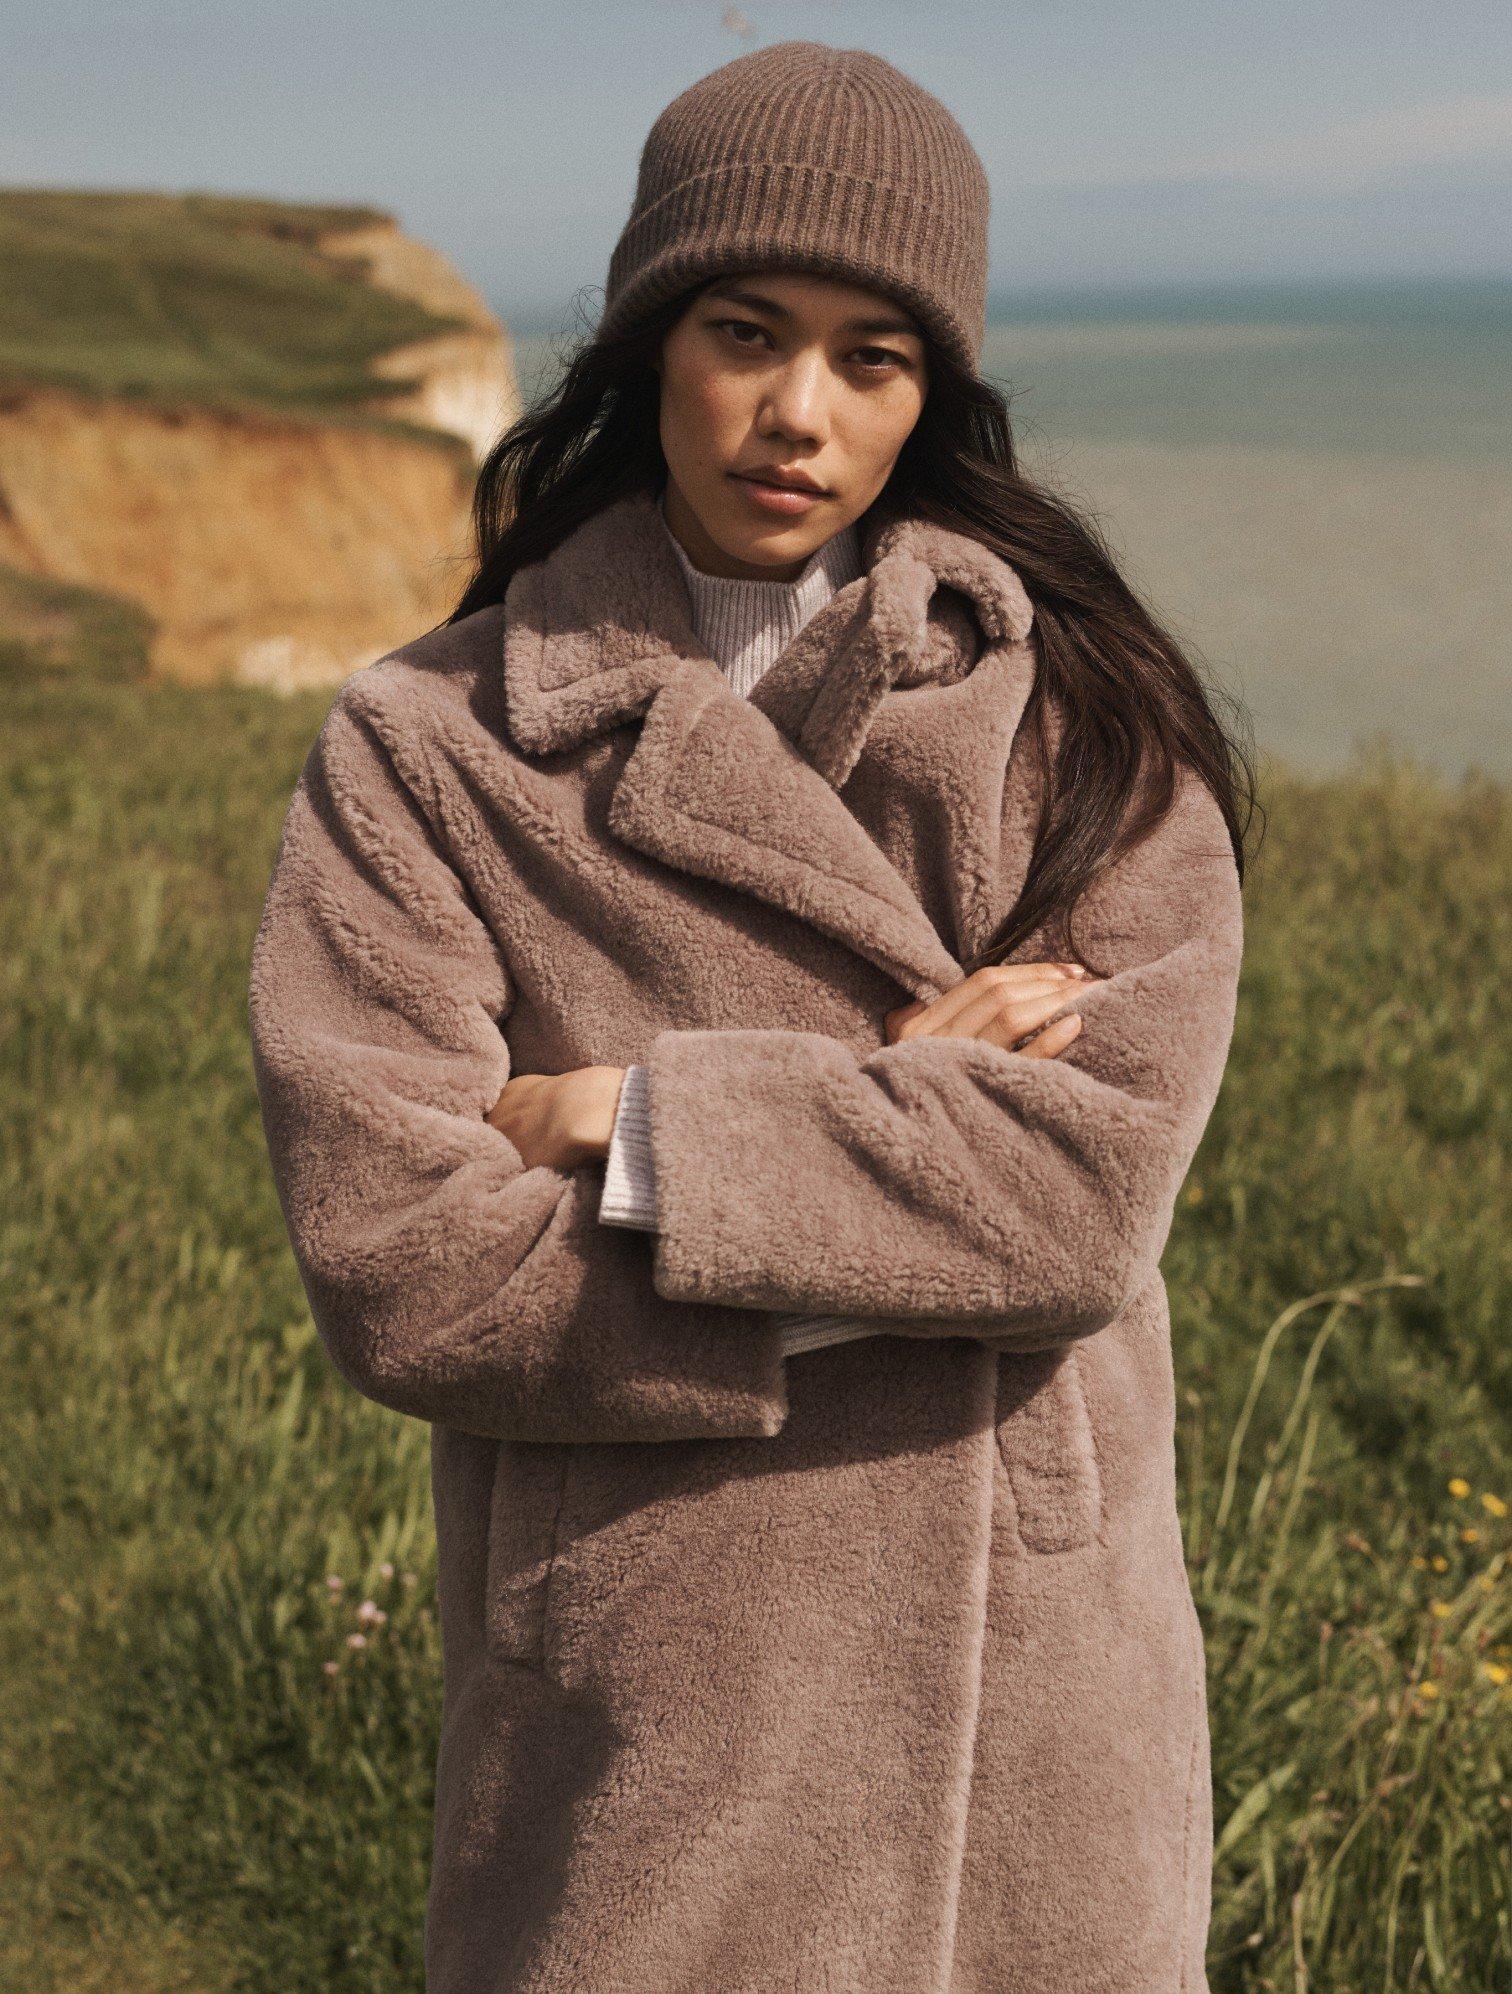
pixel 746 790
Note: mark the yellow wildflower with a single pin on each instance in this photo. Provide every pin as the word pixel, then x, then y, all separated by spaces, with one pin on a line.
pixel 1470 1536
pixel 1459 1488
pixel 1493 1505
pixel 1428 1691
pixel 1440 1609
pixel 1419 1562
pixel 1498 1672
pixel 1441 1564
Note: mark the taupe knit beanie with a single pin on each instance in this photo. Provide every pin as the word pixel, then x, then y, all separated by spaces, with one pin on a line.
pixel 807 157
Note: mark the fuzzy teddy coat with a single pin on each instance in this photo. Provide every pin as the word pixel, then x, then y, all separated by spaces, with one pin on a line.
pixel 873 1669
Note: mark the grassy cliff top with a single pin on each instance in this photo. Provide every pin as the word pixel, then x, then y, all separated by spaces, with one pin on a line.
pixel 194 298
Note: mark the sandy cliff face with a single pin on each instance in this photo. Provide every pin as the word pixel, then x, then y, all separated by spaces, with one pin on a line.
pixel 265 549
pixel 269 548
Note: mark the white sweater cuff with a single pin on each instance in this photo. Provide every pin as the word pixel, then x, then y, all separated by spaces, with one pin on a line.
pixel 812 1332
pixel 629 1193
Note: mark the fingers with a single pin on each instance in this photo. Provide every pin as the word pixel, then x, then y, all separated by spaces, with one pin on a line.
pixel 986 990
pixel 1004 1020
pixel 1053 1039
pixel 1016 1008
pixel 903 1015
pixel 1023 1015
pixel 976 998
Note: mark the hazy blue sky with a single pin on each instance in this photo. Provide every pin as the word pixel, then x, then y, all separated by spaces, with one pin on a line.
pixel 1159 141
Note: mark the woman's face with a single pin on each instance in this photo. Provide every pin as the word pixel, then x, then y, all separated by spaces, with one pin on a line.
pixel 786 375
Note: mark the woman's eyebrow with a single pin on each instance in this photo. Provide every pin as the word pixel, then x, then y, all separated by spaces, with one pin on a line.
pixel 875 322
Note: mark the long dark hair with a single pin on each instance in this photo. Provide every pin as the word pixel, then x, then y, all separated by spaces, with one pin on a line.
pixel 1132 706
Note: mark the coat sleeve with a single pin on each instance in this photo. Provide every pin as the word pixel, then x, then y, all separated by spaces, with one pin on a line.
pixel 629 1198
pixel 446 1279
pixel 949 1185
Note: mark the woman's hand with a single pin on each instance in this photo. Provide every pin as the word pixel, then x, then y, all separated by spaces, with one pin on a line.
pixel 1001 1003
pixel 560 1119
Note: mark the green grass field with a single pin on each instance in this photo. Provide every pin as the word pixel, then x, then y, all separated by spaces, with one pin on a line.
pixel 209 1786
pixel 175 299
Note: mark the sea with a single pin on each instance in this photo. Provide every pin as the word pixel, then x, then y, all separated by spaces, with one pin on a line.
pixel 1311 486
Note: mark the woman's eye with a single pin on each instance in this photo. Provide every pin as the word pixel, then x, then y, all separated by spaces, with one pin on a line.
pixel 882 356
pixel 738 325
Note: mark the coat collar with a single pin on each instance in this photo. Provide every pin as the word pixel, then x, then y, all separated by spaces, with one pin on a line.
pixel 746 790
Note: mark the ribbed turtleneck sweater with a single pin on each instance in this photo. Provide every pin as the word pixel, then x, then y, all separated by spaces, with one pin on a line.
pixel 745 626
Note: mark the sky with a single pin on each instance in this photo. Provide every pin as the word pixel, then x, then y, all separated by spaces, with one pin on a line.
pixel 1129 145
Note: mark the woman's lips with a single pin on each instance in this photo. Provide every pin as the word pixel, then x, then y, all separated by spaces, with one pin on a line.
pixel 788 499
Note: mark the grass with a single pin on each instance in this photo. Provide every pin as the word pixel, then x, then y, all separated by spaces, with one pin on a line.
pixel 211 1786
pixel 173 299
pixel 52 629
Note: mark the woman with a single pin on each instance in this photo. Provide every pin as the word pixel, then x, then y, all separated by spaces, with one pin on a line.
pixel 811 1585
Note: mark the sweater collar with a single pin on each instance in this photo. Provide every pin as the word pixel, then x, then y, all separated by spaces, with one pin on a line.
pixel 722 603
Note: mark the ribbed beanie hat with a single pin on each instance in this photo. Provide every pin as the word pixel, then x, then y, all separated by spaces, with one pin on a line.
pixel 806 157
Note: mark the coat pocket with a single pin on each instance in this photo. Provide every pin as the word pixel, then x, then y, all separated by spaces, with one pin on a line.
pixel 530 1486
pixel 1048 1449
